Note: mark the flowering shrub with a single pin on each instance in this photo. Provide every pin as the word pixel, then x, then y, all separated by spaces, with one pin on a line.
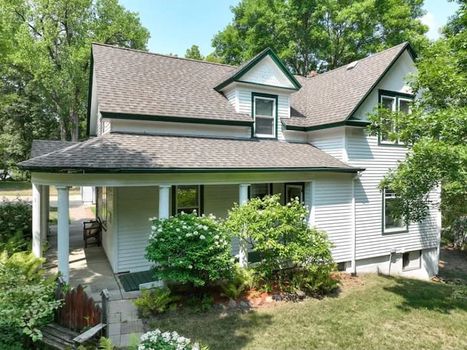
pixel 157 340
pixel 15 224
pixel 291 253
pixel 187 248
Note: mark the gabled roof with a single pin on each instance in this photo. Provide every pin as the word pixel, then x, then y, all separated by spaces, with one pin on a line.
pixel 245 67
pixel 116 152
pixel 41 147
pixel 330 99
pixel 133 82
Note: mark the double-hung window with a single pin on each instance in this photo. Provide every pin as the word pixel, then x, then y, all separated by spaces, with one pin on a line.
pixel 260 190
pixel 264 113
pixel 187 199
pixel 391 224
pixel 394 103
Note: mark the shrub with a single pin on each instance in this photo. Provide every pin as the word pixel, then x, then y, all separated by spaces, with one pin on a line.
pixel 287 247
pixel 242 279
pixel 15 224
pixel 26 298
pixel 189 249
pixel 157 340
pixel 155 301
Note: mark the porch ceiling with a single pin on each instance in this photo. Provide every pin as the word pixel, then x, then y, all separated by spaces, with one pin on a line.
pixel 131 153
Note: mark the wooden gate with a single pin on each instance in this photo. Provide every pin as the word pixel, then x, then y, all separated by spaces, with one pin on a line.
pixel 79 311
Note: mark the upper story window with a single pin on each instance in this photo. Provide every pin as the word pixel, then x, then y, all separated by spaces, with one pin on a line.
pixel 394 102
pixel 265 116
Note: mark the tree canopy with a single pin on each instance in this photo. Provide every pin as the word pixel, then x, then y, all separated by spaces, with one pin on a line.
pixel 194 53
pixel 44 65
pixel 435 130
pixel 318 34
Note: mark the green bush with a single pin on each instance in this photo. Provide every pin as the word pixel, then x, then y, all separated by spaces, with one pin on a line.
pixel 155 301
pixel 456 233
pixel 188 249
pixel 242 280
pixel 291 253
pixel 26 298
pixel 15 225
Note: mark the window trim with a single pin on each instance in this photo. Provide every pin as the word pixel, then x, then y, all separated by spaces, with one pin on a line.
pixel 254 96
pixel 175 208
pixel 384 230
pixel 396 96
pixel 418 267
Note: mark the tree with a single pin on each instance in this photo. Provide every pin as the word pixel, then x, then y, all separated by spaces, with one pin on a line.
pixel 435 130
pixel 48 48
pixel 318 34
pixel 194 53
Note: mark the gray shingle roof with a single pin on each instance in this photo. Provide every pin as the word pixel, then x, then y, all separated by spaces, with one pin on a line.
pixel 331 97
pixel 41 147
pixel 137 82
pixel 130 152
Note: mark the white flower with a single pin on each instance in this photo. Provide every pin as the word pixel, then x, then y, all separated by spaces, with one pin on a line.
pixel 202 237
pixel 190 266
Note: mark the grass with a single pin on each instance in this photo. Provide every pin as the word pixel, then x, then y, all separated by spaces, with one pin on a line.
pixel 373 312
pixel 23 189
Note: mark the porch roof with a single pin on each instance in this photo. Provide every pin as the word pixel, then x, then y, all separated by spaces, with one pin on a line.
pixel 129 153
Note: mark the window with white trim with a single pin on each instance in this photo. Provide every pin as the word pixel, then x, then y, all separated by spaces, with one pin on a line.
pixel 264 113
pixel 390 222
pixel 187 199
pixel 394 104
pixel 260 190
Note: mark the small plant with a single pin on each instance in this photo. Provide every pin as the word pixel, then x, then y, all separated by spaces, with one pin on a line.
pixel 155 301
pixel 242 280
pixel 200 303
pixel 189 249
pixel 158 340
pixel 105 344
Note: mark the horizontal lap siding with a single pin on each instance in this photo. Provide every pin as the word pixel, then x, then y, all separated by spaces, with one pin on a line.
pixel 364 151
pixel 333 213
pixel 330 141
pixel 135 206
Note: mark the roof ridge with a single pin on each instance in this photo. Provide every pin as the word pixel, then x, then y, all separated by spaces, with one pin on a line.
pixel 404 44
pixel 163 55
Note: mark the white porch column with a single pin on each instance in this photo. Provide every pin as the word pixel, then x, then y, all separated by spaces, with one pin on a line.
pixel 243 249
pixel 36 220
pixel 63 233
pixel 44 213
pixel 164 199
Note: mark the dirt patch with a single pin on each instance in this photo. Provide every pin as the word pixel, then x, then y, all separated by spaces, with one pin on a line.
pixel 453 264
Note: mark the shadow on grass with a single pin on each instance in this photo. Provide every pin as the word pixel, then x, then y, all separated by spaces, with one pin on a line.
pixel 426 295
pixel 211 328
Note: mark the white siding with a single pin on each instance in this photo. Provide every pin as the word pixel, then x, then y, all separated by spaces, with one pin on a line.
pixel 267 72
pixel 364 151
pixel 332 206
pixel 185 129
pixel 331 141
pixel 135 205
pixel 231 95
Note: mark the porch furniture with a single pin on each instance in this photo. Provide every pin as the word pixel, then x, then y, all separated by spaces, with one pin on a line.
pixel 92 230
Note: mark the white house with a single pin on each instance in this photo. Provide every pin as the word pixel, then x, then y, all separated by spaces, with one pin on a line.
pixel 162 126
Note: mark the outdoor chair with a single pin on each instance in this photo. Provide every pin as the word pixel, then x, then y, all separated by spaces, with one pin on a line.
pixel 92 230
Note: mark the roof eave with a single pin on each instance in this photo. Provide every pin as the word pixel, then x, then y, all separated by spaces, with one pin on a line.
pixel 327 126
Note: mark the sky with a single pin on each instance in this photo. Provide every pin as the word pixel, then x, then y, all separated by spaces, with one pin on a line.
pixel 175 25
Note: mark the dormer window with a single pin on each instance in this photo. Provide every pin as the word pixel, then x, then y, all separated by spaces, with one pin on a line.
pixel 265 116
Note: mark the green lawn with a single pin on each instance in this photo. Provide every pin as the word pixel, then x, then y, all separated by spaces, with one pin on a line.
pixel 23 189
pixel 371 312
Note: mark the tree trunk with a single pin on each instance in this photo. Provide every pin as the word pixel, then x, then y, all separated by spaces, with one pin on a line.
pixel 74 119
pixel 62 129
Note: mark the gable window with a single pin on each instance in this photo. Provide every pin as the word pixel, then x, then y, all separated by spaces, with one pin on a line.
pixel 264 113
pixel 391 224
pixel 393 102
pixel 187 198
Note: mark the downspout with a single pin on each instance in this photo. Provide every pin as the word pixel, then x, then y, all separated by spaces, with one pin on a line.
pixel 354 226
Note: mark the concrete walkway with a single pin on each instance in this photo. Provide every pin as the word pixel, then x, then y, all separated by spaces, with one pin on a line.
pixel 90 268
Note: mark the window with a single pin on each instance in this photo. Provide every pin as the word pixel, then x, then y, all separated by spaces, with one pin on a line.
pixel 411 260
pixel 187 199
pixel 390 223
pixel 264 112
pixel 260 190
pixel 293 191
pixel 395 103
